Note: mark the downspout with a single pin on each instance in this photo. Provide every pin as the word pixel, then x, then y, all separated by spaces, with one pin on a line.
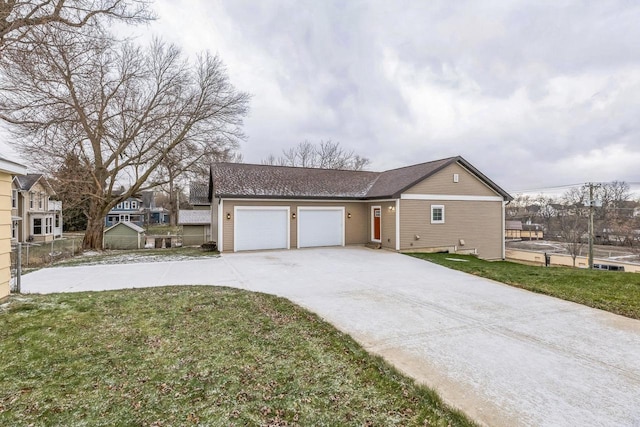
pixel 504 205
pixel 398 224
pixel 219 231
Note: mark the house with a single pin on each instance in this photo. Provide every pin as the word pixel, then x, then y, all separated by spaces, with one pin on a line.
pixel 130 210
pixel 123 235
pixel 199 196
pixel 7 170
pixel 513 230
pixel 138 209
pixel 440 205
pixel 36 217
pixel 532 232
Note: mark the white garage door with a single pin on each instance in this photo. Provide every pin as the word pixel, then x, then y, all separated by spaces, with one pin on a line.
pixel 320 227
pixel 261 228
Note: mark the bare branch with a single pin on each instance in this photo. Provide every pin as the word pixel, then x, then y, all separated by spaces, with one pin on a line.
pixel 133 115
pixel 325 155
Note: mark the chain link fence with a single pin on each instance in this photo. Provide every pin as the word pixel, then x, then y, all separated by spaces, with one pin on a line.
pixel 34 255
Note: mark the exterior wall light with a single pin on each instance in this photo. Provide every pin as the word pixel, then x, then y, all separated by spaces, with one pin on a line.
pixel 228 215
pixel 349 215
pixel 392 208
pixel 293 215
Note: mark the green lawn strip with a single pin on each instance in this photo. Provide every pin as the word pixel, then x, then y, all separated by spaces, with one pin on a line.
pixel 194 355
pixel 616 292
pixel 106 257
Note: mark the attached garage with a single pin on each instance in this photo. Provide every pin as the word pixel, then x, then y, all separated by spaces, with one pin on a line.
pixel 320 226
pixel 261 227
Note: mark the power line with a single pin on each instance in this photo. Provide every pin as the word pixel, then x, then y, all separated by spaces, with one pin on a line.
pixel 559 187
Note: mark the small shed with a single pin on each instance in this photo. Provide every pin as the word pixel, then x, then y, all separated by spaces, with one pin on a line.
pixel 196 226
pixel 123 235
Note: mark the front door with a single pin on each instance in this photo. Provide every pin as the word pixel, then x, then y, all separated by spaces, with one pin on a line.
pixel 376 213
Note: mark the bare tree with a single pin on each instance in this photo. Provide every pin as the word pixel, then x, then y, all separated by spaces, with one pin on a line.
pixel 122 109
pixel 546 211
pixel 572 231
pixel 325 155
pixel 19 17
pixel 191 162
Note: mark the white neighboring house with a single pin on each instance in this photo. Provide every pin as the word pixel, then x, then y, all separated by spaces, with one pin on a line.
pixel 35 218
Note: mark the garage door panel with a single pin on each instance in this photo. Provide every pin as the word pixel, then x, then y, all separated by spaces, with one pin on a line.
pixel 258 228
pixel 320 227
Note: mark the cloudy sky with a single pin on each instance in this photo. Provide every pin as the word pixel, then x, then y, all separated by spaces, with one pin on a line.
pixel 534 93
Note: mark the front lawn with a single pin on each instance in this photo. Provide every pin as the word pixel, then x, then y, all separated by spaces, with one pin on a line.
pixel 194 356
pixel 607 290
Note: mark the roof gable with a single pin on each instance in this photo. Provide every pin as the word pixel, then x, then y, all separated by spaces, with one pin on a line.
pixel 28 181
pixel 393 182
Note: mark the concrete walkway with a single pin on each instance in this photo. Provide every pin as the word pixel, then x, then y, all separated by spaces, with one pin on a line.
pixel 505 356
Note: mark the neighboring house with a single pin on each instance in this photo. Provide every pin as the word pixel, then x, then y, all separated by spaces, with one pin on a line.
pixel 196 226
pixel 199 196
pixel 440 205
pixel 36 218
pixel 513 230
pixel 123 235
pixel 7 169
pixel 138 209
pixel 532 232
pixel 130 210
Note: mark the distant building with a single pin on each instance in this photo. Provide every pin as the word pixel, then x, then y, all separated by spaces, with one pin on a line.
pixel 139 209
pixel 513 230
pixel 35 218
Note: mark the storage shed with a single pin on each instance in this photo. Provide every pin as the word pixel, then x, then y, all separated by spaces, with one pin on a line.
pixel 123 235
pixel 196 226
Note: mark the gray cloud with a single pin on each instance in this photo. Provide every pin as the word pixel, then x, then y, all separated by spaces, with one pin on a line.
pixel 533 93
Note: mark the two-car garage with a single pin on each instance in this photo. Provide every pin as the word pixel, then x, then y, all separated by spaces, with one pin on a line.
pixel 270 227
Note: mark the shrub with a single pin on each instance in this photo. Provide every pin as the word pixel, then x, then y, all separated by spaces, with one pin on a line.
pixel 209 246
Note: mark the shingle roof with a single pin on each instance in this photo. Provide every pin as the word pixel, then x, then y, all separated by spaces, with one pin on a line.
pixel 25 182
pixel 131 225
pixel 239 179
pixel 513 225
pixel 194 217
pixel 199 194
pixel 266 181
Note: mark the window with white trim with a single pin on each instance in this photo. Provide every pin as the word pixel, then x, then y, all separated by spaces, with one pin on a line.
pixel 437 214
pixel 134 204
pixel 14 230
pixel 31 196
pixel 14 199
pixel 40 200
pixel 37 226
pixel 126 204
pixel 48 221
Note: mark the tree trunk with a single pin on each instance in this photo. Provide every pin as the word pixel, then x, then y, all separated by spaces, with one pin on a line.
pixel 95 227
pixel 173 207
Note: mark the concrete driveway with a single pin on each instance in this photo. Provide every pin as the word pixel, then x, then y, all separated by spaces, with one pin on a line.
pixel 506 357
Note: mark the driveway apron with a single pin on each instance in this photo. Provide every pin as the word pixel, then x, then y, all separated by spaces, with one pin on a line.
pixel 505 356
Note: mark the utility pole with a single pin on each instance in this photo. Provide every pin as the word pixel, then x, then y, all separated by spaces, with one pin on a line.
pixel 592 205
